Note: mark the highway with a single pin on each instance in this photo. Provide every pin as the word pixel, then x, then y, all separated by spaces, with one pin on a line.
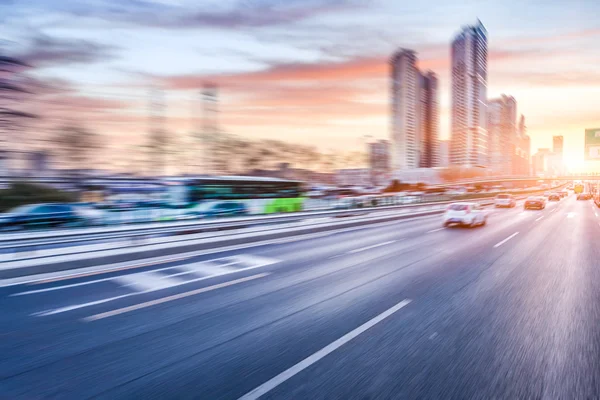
pixel 397 310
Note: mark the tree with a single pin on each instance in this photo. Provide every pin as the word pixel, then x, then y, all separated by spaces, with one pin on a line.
pixel 76 146
pixel 14 92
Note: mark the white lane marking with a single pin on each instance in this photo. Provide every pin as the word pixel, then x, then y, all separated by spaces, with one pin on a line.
pixel 91 273
pixel 147 281
pixel 436 230
pixel 370 247
pixel 204 268
pixel 77 306
pixel 506 240
pixel 310 360
pixel 102 269
pixel 61 287
pixel 540 218
pixel 171 298
pixel 554 210
pixel 571 215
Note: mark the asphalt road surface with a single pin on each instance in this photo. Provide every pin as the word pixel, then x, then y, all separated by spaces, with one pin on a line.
pixel 401 310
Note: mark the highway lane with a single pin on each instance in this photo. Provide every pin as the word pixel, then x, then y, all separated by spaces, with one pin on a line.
pixel 224 342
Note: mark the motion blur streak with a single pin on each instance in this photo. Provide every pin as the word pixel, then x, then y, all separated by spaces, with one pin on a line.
pixel 516 321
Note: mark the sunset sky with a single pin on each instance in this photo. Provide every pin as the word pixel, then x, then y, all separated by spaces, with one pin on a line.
pixel 310 71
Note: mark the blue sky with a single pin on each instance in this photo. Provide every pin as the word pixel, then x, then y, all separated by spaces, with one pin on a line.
pixel 310 71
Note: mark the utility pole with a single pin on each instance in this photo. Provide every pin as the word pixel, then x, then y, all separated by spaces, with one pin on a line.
pixel 157 145
pixel 210 127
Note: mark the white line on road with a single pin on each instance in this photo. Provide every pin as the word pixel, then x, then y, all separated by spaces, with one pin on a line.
pixel 93 303
pixel 540 218
pixel 436 230
pixel 506 240
pixel 171 298
pixel 370 247
pixel 307 362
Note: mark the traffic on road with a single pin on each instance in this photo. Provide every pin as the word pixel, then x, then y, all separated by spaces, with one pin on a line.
pixel 379 308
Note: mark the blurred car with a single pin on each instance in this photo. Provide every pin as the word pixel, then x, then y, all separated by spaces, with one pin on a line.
pixel 563 193
pixel 217 209
pixel 42 216
pixel 535 202
pixel 504 200
pixel 584 196
pixel 554 197
pixel 546 194
pixel 88 214
pixel 465 214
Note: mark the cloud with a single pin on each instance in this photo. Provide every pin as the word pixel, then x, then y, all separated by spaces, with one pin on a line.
pixel 45 51
pixel 211 13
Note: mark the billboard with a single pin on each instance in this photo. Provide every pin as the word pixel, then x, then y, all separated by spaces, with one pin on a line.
pixel 592 144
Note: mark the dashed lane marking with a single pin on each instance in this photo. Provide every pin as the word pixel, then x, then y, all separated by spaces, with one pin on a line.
pixel 171 298
pixel 371 247
pixel 506 240
pixel 307 362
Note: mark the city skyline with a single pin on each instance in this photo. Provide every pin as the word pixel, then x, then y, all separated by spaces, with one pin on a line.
pixel 324 82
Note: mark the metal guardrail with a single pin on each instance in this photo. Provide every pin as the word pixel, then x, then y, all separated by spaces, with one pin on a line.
pixel 138 234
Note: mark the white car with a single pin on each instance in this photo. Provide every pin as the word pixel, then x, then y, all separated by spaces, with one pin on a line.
pixel 465 214
pixel 504 200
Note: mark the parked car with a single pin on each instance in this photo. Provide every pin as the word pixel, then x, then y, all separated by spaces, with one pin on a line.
pixel 217 209
pixel 505 200
pixel 43 216
pixel 464 214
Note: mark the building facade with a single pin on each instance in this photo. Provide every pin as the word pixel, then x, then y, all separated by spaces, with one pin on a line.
pixel 558 145
pixel 444 153
pixel 379 161
pixel 405 106
pixel 469 139
pixel 353 177
pixel 414 114
pixel 522 152
pixel 429 120
pixel 502 134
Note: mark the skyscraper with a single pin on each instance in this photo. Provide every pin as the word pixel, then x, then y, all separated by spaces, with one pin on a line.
pixel 405 108
pixel 415 114
pixel 558 145
pixel 503 137
pixel 429 120
pixel 469 142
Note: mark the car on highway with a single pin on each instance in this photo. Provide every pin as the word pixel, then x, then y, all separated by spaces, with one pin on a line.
pixel 584 196
pixel 563 193
pixel 464 214
pixel 212 209
pixel 535 202
pixel 554 197
pixel 44 216
pixel 504 200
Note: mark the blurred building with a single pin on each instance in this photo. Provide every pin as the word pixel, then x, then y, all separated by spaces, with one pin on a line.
pixel 430 176
pixel 429 121
pixel 353 177
pixel 502 134
pixel 522 152
pixel 415 113
pixel 541 162
pixel 299 174
pixel 379 161
pixel 558 145
pixel 444 153
pixel 469 140
pixel 405 105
